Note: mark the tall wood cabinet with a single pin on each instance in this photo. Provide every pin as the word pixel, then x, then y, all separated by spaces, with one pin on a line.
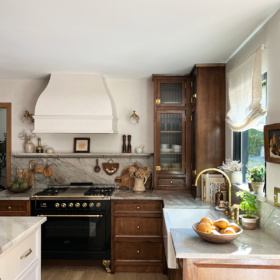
pixel 189 126
pixel 208 118
pixel 172 146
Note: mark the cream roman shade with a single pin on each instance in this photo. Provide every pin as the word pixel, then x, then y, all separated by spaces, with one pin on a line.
pixel 245 94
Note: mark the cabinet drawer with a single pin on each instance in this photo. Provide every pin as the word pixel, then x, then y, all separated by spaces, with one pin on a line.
pixel 172 182
pixel 131 226
pixel 19 257
pixel 14 205
pixel 141 206
pixel 138 251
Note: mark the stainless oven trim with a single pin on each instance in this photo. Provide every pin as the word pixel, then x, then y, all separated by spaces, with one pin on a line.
pixel 71 216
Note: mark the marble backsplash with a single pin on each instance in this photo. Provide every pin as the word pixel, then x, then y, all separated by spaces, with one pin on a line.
pixel 78 169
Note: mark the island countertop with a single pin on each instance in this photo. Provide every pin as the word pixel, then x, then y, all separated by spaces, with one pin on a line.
pixel 14 229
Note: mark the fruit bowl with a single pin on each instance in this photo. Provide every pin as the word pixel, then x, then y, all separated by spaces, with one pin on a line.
pixel 216 238
pixel 18 190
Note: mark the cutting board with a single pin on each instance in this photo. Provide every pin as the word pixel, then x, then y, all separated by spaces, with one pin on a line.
pixel 27 175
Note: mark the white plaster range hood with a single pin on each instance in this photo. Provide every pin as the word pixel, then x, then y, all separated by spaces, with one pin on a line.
pixel 75 103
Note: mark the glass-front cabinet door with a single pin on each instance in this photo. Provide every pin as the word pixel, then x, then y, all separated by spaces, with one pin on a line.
pixel 171 144
pixel 171 92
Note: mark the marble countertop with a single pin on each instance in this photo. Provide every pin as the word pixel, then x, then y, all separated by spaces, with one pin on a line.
pixel 252 244
pixel 14 229
pixel 6 195
pixel 171 199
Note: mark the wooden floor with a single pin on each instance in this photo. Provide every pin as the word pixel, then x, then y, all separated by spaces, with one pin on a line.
pixel 92 272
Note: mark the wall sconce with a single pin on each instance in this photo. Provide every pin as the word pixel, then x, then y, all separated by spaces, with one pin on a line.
pixel 134 118
pixel 30 116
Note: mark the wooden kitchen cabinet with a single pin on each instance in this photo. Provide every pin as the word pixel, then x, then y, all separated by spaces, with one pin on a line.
pixel 208 118
pixel 172 122
pixel 14 207
pixel 137 240
pixel 216 269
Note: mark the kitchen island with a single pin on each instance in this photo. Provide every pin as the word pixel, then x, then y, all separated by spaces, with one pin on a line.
pixel 20 247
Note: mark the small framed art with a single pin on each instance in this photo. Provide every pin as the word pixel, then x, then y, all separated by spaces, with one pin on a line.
pixel 272 142
pixel 81 145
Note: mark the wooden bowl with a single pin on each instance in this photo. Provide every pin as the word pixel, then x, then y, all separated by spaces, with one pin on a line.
pixel 19 190
pixel 216 238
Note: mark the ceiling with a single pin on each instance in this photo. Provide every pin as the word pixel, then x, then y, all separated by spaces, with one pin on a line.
pixel 124 38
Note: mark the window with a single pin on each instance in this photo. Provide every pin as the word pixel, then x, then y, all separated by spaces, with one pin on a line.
pixel 248 146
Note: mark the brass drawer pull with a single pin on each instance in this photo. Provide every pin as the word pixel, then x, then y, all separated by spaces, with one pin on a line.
pixel 10 207
pixel 171 182
pixel 27 254
pixel 138 251
pixel 138 227
pixel 138 207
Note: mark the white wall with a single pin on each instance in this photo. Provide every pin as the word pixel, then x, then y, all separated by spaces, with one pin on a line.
pixel 128 95
pixel 269 36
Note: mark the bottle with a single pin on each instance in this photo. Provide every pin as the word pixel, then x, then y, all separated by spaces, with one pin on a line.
pixel 218 197
pixel 39 148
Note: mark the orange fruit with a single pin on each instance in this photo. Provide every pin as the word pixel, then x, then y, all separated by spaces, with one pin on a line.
pixel 234 226
pixel 206 220
pixel 221 223
pixel 216 228
pixel 204 227
pixel 229 231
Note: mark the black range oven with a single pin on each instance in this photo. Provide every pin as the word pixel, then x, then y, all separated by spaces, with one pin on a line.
pixel 78 222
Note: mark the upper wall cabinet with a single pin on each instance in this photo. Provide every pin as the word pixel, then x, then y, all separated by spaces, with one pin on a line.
pixel 172 166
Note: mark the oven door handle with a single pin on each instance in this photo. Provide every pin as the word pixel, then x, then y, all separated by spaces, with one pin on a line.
pixel 71 216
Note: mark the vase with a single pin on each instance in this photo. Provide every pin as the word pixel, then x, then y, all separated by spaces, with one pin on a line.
pixel 139 184
pixel 258 187
pixel 29 147
pixel 236 177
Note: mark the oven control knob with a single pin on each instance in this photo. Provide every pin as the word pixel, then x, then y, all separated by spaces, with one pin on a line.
pixel 77 205
pixel 70 205
pixel 98 204
pixel 91 205
pixel 56 205
pixel 63 205
pixel 84 205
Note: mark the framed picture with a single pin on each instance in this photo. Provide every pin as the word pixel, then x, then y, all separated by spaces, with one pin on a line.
pixel 272 142
pixel 81 145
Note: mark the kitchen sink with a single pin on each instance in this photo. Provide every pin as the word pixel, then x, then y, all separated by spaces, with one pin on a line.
pixel 180 218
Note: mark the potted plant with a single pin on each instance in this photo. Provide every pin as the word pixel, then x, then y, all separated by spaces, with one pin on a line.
pixel 256 176
pixel 233 167
pixel 248 204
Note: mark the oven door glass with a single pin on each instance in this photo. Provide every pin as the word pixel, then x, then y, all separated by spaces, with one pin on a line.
pixel 72 233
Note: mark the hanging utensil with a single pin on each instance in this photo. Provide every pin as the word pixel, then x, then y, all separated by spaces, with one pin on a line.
pixel 97 168
pixel 110 167
pixel 47 171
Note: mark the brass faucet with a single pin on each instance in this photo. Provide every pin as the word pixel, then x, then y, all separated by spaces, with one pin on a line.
pixel 226 176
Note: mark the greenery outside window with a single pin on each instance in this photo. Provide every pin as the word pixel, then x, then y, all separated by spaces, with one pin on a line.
pixel 248 146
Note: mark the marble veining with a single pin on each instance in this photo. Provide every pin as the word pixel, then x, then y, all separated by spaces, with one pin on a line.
pixel 254 244
pixel 78 169
pixel 14 229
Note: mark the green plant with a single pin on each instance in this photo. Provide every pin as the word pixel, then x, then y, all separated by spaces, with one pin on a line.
pixel 248 203
pixel 256 174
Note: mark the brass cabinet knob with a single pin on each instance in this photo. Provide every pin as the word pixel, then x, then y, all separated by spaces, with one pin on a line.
pixel 138 227
pixel 77 205
pixel 63 205
pixel 171 182
pixel 70 205
pixel 84 205
pixel 56 205
pixel 10 207
pixel 91 205
pixel 138 251
pixel 138 207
